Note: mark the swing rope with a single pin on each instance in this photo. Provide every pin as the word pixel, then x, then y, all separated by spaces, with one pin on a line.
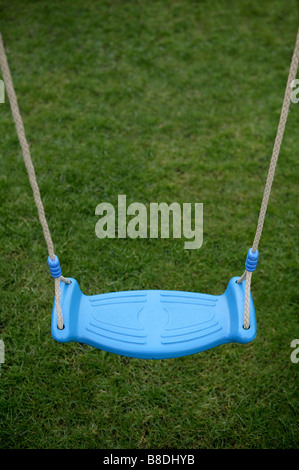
pixel 31 174
pixel 252 256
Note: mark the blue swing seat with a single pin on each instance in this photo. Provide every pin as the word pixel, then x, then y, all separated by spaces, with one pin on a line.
pixel 153 324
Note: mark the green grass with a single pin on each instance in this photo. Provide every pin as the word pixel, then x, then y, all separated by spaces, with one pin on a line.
pixel 162 101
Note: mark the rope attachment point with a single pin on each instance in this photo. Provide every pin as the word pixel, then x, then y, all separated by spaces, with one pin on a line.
pixel 56 272
pixel 251 260
pixel 54 266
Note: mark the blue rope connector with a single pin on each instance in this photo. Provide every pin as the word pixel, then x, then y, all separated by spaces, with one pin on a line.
pixel 54 266
pixel 251 260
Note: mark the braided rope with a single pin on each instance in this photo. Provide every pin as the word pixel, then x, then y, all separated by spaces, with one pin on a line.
pixel 30 170
pixel 276 149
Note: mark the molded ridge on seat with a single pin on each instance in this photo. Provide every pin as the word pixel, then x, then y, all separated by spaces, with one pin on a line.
pixel 154 324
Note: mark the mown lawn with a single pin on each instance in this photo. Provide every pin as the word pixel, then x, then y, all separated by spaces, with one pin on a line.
pixel 161 101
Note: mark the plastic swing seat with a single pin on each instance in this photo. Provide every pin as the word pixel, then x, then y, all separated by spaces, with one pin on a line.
pixel 154 324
